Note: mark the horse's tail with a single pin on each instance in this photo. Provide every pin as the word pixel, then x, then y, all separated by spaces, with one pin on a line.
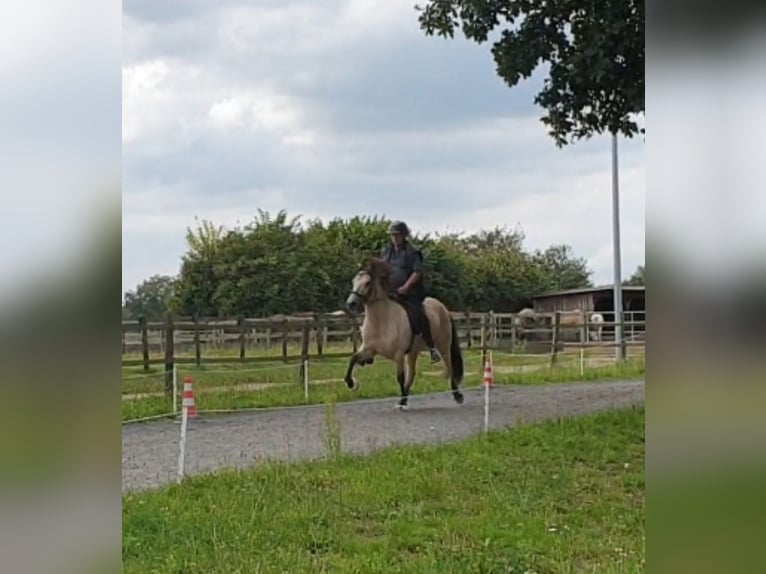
pixel 456 355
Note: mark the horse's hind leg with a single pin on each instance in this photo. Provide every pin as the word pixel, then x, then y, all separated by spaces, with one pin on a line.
pixel 454 380
pixel 407 378
pixel 446 350
pixel 400 378
pixel 456 394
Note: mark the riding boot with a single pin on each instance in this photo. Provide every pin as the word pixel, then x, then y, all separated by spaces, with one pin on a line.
pixel 425 330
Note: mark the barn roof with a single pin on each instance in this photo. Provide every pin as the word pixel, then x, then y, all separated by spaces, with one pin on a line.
pixel 582 291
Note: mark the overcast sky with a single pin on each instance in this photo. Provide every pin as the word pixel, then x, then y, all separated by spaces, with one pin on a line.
pixel 340 108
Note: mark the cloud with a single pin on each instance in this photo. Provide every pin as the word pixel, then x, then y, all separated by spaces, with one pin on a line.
pixel 345 108
pixel 59 112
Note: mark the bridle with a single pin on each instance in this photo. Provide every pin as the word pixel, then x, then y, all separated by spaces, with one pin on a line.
pixel 361 296
pixel 364 297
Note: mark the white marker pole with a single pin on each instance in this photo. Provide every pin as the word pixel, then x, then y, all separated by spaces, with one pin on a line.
pixel 582 362
pixel 175 389
pixel 306 380
pixel 487 381
pixel 486 407
pixel 182 443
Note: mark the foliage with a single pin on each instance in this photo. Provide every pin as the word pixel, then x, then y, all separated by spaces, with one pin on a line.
pixel 560 496
pixel 595 53
pixel 561 267
pixel 638 278
pixel 152 299
pixel 277 265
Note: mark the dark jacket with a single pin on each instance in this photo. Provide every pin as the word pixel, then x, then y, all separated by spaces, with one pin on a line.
pixel 405 262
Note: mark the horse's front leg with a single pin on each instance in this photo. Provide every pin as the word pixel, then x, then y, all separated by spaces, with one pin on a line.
pixel 361 357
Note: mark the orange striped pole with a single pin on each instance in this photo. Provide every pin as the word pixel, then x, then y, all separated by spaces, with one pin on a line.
pixel 188 397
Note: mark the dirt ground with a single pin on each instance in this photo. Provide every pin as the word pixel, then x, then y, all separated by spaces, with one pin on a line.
pixel 150 450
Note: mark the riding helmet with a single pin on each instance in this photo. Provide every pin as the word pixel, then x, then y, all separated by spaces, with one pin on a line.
pixel 399 227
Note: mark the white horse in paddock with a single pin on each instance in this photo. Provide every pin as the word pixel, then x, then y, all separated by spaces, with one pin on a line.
pixel 597 320
pixel 578 319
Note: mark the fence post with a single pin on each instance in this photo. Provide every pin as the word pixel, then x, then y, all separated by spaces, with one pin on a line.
pixel 623 342
pixel 513 332
pixel 321 333
pixel 284 340
pixel 197 344
pixel 469 330
pixel 242 342
pixel 169 354
pixel 555 336
pixel 305 340
pixel 144 341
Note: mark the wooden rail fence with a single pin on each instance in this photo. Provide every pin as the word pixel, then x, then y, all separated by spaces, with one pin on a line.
pixel 181 340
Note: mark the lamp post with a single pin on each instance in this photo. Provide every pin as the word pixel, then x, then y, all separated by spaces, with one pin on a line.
pixel 618 334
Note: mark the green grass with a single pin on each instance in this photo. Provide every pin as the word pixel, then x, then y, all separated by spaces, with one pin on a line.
pixel 559 497
pixel 219 386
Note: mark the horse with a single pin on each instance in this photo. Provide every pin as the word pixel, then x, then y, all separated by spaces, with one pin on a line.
pixel 527 318
pixel 597 319
pixel 523 320
pixel 387 331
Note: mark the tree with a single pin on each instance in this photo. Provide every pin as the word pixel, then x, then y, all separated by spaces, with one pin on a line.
pixel 594 48
pixel 204 241
pixel 562 268
pixel 279 265
pixel 638 279
pixel 196 288
pixel 152 299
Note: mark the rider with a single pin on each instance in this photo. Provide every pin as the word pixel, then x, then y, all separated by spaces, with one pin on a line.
pixel 407 279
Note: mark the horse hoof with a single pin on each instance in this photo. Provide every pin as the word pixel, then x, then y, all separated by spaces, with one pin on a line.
pixel 352 384
pixel 401 407
pixel 458 398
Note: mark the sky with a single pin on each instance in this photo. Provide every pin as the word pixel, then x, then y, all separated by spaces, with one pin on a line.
pixel 344 108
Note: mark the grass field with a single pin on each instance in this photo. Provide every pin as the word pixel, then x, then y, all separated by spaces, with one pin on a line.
pixel 558 497
pixel 236 386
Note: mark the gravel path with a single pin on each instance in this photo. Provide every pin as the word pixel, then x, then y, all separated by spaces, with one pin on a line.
pixel 150 450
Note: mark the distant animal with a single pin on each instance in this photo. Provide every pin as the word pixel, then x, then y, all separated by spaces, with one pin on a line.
pixel 596 319
pixel 577 319
pixel 568 320
pixel 524 320
pixel 388 330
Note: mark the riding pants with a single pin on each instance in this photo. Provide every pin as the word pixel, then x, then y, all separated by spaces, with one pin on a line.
pixel 422 324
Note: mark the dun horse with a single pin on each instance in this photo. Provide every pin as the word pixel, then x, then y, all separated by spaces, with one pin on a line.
pixel 387 331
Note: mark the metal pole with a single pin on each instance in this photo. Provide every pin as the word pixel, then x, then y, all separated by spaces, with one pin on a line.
pixel 618 336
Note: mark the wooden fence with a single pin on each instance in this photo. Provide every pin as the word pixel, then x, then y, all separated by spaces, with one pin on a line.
pixel 240 339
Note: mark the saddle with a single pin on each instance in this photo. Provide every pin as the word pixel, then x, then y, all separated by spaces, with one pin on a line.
pixel 410 307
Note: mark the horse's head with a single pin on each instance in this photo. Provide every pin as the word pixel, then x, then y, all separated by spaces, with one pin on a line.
pixel 370 284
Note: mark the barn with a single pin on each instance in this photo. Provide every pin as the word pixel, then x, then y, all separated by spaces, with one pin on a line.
pixel 599 300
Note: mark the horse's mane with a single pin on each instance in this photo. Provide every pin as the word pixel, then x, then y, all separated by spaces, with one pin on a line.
pixel 379 270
